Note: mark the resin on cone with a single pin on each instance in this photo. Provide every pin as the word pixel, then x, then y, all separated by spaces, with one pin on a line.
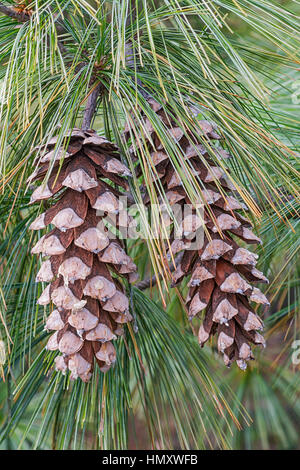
pixel 89 303
pixel 221 271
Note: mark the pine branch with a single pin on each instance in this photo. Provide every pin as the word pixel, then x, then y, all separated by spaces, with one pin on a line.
pixel 21 16
pixel 90 108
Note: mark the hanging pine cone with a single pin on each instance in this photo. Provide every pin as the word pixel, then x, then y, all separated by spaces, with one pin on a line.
pixel 221 270
pixel 81 253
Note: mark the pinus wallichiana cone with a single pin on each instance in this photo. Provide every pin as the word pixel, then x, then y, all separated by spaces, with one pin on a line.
pixel 222 272
pixel 81 255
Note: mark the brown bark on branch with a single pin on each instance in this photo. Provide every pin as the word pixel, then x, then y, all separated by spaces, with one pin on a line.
pixel 21 16
pixel 90 107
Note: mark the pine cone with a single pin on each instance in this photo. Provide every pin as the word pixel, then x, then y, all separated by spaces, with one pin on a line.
pixel 91 304
pixel 221 271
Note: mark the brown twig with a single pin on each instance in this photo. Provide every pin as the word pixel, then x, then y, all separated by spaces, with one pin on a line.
pixel 21 16
pixel 90 108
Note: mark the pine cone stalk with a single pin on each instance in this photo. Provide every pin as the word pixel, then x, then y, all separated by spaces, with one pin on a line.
pixel 83 259
pixel 221 270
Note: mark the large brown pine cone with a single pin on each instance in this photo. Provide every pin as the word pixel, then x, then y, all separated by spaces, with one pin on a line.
pixel 222 272
pixel 83 259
